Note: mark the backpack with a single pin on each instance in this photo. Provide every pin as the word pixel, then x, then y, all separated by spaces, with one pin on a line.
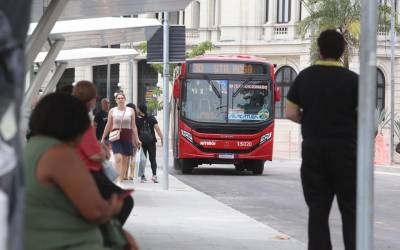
pixel 145 135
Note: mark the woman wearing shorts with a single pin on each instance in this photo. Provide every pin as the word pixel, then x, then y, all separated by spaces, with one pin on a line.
pixel 122 118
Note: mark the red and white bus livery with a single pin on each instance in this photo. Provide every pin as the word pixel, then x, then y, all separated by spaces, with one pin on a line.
pixel 223 112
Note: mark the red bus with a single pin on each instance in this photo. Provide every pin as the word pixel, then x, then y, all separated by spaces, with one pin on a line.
pixel 223 112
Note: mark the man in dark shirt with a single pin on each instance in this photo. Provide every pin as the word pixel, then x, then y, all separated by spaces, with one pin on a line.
pixel 101 117
pixel 323 99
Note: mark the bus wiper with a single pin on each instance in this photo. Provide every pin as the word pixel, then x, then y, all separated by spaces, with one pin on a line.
pixel 241 87
pixel 214 88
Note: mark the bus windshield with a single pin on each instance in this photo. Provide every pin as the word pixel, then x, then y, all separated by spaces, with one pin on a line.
pixel 227 101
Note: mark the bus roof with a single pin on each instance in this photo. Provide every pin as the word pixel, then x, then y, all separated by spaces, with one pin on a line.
pixel 229 58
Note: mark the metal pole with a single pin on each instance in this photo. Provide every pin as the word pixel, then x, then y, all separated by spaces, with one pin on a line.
pixel 165 100
pixel 365 140
pixel 392 74
pixel 109 80
pixel 130 82
pixel 42 73
pixel 55 78
pixel 42 30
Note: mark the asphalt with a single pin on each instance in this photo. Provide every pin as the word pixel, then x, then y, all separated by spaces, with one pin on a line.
pixel 184 218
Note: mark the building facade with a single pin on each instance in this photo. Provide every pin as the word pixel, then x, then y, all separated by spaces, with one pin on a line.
pixel 263 28
pixel 267 28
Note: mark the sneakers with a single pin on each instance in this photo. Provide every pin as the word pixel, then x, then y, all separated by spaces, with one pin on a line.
pixel 154 179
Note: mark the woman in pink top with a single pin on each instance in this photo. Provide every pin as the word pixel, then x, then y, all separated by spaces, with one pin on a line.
pixel 122 118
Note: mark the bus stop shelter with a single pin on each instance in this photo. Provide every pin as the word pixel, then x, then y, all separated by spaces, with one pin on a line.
pixel 85 33
pixel 18 56
pixel 84 57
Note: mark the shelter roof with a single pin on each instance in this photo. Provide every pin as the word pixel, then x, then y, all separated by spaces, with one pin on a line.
pixel 97 32
pixel 90 56
pixel 78 9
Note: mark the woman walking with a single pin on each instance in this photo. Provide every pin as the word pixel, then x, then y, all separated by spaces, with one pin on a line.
pixel 146 125
pixel 122 118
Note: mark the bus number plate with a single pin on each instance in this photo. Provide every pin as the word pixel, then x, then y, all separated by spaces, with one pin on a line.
pixel 226 156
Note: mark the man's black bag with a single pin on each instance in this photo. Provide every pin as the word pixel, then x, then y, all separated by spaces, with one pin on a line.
pixel 145 135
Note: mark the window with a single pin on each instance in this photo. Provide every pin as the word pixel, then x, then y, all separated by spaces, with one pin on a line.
pixel 196 14
pixel 300 9
pixel 284 78
pixel 283 14
pixel 266 10
pixel 67 78
pixel 380 89
pixel 173 18
pixel 215 9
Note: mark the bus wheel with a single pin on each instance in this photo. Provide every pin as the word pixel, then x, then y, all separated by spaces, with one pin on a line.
pixel 239 167
pixel 187 166
pixel 177 164
pixel 258 167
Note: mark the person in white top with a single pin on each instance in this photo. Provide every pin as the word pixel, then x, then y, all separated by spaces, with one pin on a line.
pixel 122 118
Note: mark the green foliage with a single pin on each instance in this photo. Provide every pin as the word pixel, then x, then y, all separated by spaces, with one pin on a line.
pixel 382 118
pixel 142 47
pixel 397 128
pixel 342 15
pixel 200 49
pixel 154 104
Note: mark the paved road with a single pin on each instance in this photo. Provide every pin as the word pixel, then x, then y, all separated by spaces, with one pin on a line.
pixel 276 199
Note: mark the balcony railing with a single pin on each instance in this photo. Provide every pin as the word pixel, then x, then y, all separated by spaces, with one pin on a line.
pixel 192 33
pixel 280 31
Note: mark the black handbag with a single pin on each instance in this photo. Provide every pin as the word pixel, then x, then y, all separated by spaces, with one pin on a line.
pixel 113 235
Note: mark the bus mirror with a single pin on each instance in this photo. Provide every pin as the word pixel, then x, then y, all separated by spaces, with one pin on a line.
pixel 176 90
pixel 277 93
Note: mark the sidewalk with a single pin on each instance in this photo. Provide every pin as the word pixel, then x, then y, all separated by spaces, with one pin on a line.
pixel 183 218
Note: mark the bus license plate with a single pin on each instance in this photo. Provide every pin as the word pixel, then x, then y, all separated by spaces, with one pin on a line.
pixel 226 156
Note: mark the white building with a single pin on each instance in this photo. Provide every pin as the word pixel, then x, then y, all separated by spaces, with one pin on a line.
pixel 267 28
pixel 264 28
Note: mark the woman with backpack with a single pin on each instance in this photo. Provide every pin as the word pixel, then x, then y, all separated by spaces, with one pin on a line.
pixel 147 125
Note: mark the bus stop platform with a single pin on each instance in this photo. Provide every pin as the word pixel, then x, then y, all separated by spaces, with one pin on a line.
pixel 183 218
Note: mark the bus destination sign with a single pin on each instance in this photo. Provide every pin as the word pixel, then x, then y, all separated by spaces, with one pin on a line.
pixel 227 68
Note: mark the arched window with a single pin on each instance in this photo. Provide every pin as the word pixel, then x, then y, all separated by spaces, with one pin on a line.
pixel 196 14
pixel 380 89
pixel 284 78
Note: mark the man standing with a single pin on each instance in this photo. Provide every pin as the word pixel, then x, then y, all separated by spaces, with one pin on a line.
pixel 323 99
pixel 101 117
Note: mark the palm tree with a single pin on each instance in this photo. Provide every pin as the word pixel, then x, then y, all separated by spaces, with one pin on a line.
pixel 342 15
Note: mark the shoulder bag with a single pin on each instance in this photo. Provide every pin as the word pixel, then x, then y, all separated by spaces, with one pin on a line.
pixel 115 135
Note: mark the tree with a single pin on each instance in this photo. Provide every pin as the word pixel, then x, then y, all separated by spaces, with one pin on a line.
pixel 342 15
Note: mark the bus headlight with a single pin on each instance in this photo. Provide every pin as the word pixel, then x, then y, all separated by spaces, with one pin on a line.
pixel 265 137
pixel 187 135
